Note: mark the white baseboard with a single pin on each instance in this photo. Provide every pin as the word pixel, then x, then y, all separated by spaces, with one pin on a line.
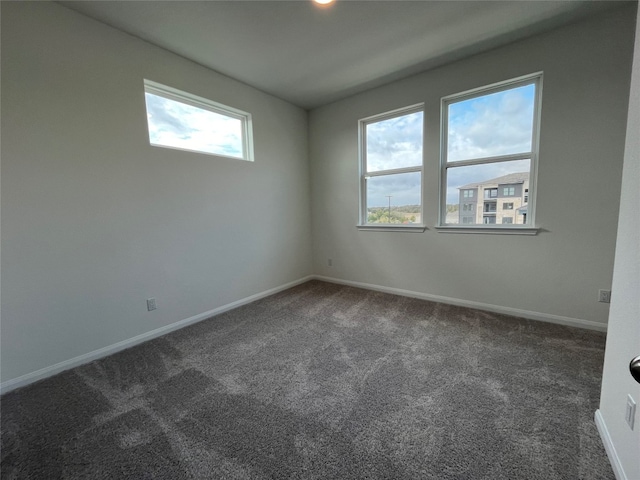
pixel 130 342
pixel 545 317
pixel 614 460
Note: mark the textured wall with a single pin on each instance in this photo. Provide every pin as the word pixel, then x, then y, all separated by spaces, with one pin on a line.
pixel 94 220
pixel 558 272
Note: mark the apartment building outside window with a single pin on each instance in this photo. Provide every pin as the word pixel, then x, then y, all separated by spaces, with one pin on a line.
pixel 512 187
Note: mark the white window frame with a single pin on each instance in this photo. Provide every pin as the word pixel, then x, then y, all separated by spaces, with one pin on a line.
pixel 365 175
pixel 176 95
pixel 530 228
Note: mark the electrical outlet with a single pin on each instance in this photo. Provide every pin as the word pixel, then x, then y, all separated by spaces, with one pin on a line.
pixel 630 413
pixel 151 304
pixel 329 262
pixel 604 296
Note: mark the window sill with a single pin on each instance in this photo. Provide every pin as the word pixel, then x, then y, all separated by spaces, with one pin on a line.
pixel 392 228
pixel 525 230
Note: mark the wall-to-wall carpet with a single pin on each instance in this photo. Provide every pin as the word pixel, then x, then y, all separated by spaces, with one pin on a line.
pixel 323 381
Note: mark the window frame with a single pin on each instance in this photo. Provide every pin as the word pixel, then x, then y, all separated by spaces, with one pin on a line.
pixel 490 207
pixel 365 175
pixel 202 103
pixel 530 228
pixel 490 193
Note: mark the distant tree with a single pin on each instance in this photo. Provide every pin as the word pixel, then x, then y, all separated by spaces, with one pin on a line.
pixel 381 215
pixel 407 208
pixel 398 214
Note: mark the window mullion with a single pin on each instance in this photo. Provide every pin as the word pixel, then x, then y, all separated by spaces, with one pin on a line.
pixel 394 171
pixel 485 160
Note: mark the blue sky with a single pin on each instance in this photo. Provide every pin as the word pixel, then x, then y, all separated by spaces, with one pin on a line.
pixel 496 124
pixel 486 126
pixel 179 125
pixel 394 143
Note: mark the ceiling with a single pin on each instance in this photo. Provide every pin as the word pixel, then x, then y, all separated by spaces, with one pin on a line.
pixel 310 55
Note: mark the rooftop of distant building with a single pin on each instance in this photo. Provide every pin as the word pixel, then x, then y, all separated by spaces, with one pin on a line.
pixel 510 179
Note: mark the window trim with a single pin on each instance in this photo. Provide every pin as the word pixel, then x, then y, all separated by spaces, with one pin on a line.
pixel 364 175
pixel 530 228
pixel 196 101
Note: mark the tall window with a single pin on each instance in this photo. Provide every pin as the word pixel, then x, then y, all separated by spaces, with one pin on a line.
pixel 490 138
pixel 391 168
pixel 184 121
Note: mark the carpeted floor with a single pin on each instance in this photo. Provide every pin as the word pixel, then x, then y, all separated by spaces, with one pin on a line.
pixel 323 381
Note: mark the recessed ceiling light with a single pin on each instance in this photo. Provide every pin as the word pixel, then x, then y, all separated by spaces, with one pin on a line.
pixel 323 2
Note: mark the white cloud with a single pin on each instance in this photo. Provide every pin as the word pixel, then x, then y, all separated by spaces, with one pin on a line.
pixel 491 125
pixel 395 143
pixel 404 189
pixel 179 125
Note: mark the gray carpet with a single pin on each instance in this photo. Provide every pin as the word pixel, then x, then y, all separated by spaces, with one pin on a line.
pixel 323 381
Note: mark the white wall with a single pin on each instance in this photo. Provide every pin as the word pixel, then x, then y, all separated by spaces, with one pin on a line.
pixel 556 273
pixel 94 220
pixel 623 334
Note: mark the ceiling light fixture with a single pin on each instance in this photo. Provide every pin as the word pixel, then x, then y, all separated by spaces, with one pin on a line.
pixel 323 2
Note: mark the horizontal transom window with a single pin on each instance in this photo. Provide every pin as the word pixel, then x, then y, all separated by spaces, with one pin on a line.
pixel 184 121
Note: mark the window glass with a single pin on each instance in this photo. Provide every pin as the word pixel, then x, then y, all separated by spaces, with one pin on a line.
pixel 490 125
pixel 394 198
pixel 486 178
pixel 490 192
pixel 394 142
pixel 490 147
pixel 183 121
pixel 391 168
